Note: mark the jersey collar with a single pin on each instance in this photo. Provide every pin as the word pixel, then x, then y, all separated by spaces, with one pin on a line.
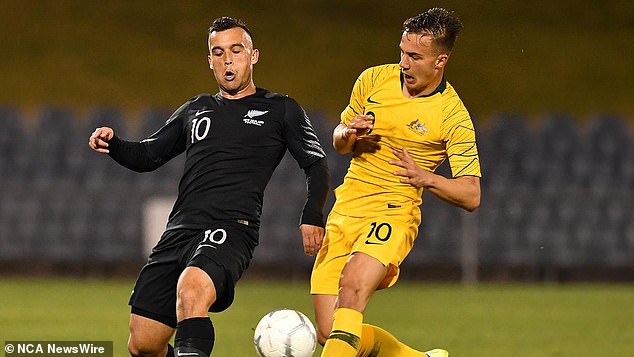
pixel 258 93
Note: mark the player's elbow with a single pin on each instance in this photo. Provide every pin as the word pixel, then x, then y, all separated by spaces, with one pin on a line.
pixel 470 197
pixel 473 203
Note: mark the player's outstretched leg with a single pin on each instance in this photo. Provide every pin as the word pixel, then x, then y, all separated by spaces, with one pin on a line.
pixel 195 334
pixel 359 279
pixel 372 340
pixel 376 341
pixel 349 337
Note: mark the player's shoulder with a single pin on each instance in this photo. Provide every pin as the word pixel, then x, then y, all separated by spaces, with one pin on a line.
pixel 201 96
pixel 192 105
pixel 274 96
pixel 269 94
pixel 280 99
pixel 453 108
pixel 449 89
pixel 449 93
pixel 200 100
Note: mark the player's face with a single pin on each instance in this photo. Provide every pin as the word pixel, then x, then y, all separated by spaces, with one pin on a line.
pixel 231 57
pixel 421 64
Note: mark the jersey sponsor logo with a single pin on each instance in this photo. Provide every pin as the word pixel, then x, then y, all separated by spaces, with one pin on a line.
pixel 418 127
pixel 372 101
pixel 199 112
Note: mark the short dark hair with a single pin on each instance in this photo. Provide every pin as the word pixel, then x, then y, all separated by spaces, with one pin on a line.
pixel 441 24
pixel 226 23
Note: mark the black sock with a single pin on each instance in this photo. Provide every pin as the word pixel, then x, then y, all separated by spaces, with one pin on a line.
pixel 195 335
pixel 170 351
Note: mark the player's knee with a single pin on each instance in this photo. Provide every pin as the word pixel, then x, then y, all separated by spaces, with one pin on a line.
pixel 322 335
pixel 323 329
pixel 191 302
pixel 188 301
pixel 353 296
pixel 195 293
pixel 138 348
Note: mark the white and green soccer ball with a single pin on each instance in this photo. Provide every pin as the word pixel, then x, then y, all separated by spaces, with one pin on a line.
pixel 285 333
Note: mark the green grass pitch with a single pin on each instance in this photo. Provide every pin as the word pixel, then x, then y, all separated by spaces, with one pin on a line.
pixel 469 321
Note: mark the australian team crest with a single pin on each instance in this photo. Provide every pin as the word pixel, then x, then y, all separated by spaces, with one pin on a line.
pixel 418 127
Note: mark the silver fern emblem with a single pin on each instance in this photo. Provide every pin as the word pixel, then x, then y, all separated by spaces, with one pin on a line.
pixel 255 113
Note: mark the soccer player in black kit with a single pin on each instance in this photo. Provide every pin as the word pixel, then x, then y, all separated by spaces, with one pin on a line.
pixel 233 141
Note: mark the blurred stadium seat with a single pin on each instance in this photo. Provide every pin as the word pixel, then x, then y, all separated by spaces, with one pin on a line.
pixel 15 153
pixel 510 153
pixel 54 142
pixel 557 144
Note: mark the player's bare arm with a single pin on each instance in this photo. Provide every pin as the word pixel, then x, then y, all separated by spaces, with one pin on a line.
pixel 344 136
pixel 461 191
pixel 312 237
pixel 99 139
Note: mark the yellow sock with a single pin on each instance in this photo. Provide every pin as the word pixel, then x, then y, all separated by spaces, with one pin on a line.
pixel 346 334
pixel 376 342
pixel 368 344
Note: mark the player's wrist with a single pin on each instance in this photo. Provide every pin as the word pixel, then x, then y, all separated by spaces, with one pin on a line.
pixel 313 219
pixel 114 144
pixel 430 180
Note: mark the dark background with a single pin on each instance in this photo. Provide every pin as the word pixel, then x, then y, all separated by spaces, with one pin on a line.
pixel 529 57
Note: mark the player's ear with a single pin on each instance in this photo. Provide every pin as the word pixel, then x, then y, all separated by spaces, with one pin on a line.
pixel 255 56
pixel 211 66
pixel 441 61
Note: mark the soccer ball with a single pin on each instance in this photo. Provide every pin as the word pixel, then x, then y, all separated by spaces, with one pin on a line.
pixel 285 333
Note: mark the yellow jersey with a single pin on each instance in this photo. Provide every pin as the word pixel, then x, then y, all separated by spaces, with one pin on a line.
pixel 432 128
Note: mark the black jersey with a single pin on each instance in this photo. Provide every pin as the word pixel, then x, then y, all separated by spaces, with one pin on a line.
pixel 232 148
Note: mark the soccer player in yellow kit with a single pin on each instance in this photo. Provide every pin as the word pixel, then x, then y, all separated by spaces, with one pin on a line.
pixel 402 122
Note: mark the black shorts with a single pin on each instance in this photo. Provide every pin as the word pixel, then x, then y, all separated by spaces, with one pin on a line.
pixel 223 251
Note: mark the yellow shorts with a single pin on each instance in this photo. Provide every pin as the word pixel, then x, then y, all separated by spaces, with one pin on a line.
pixel 388 238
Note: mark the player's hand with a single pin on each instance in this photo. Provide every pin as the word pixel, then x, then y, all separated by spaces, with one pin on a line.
pixel 412 173
pixel 359 125
pixel 99 139
pixel 312 237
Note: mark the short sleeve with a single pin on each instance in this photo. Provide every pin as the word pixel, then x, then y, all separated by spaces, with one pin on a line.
pixel 357 97
pixel 459 136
